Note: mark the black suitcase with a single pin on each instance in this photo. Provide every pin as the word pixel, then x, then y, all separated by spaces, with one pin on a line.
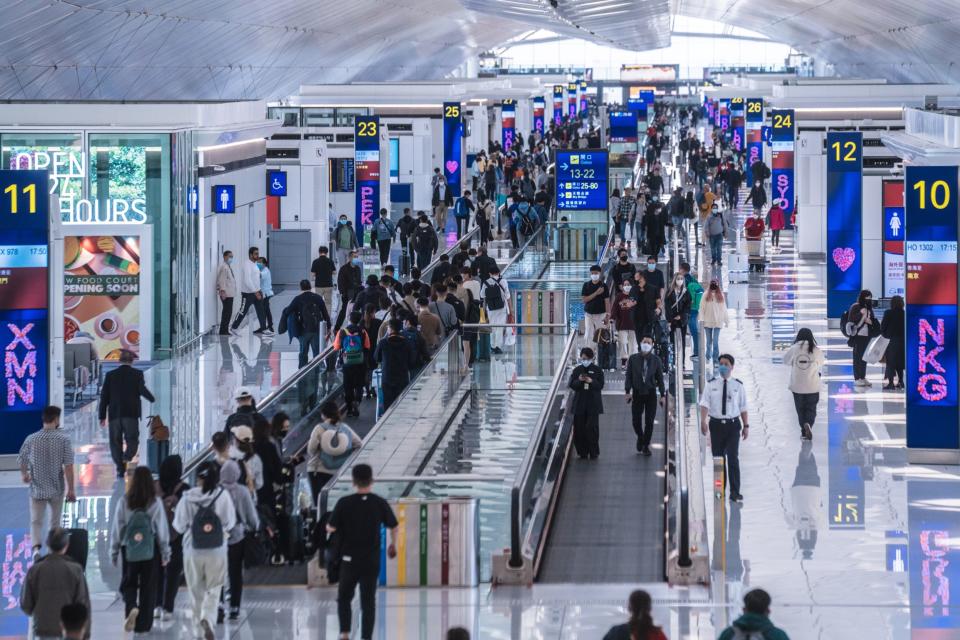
pixel 79 546
pixel 404 262
pixel 295 538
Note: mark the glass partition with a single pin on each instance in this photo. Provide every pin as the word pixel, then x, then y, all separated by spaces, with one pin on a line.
pixel 59 153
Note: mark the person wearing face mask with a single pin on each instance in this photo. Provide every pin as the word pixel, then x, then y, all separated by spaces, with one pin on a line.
pixel 266 286
pixel 861 326
pixel 777 222
pixel 654 220
pixel 425 242
pixel 226 291
pixel 344 240
pixel 621 312
pixel 758 196
pixel 594 294
pixel 622 269
pixel 586 381
pixel 644 310
pixel 723 412
pixel 678 305
pixel 441 201
pixel 715 227
pixel 713 316
pixel 753 229
pixel 349 282
pixel 644 378
pixel 654 276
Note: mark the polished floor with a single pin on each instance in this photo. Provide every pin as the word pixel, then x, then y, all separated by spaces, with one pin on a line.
pixel 851 541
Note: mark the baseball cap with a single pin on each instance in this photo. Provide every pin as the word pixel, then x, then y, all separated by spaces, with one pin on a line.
pixel 242 433
pixel 243 392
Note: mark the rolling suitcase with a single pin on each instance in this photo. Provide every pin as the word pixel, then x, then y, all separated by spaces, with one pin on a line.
pixel 483 347
pixel 79 546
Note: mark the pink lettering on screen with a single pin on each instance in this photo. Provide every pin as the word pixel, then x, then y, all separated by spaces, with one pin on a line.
pixel 19 374
pixel 936 584
pixel 17 559
pixel 931 385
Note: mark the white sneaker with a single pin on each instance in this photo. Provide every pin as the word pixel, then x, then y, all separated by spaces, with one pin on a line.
pixel 157 613
pixel 867 383
pixel 859 383
pixel 131 620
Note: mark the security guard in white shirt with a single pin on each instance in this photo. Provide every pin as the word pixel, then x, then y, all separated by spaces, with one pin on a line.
pixel 723 410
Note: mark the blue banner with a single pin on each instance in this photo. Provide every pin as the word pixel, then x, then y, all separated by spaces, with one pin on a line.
pixel 557 103
pixel 276 183
pixel 572 100
pixel 846 489
pixel 581 180
pixel 753 134
pixel 844 220
pixel 623 126
pixel 508 124
pixel 24 303
pixel 782 131
pixel 930 253
pixel 724 118
pixel 583 98
pixel 738 135
pixel 452 146
pixel 934 559
pixel 366 136
pixel 539 107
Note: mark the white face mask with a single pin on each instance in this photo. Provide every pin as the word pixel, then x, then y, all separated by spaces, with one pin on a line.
pixel 585 362
pixel 595 277
pixel 646 347
pixel 626 288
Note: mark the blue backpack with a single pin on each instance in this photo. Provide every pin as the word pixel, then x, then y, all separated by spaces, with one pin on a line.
pixel 138 537
pixel 335 460
pixel 460 209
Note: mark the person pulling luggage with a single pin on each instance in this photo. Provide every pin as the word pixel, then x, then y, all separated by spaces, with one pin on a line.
pixel 586 381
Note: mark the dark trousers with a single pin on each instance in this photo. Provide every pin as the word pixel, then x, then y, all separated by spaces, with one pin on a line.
pixel 235 573
pixel 860 344
pixel 484 230
pixel 308 341
pixel 725 442
pixel 806 404
pixel 123 429
pixel 225 314
pixel 514 238
pixel 775 237
pixel 248 300
pixel 354 377
pixel 643 409
pixel 462 224
pixel 891 372
pixel 384 247
pixel 423 258
pixel 390 393
pixel 345 298
pixel 352 575
pixel 268 315
pixel 317 480
pixel 168 577
pixel 586 434
pixel 138 587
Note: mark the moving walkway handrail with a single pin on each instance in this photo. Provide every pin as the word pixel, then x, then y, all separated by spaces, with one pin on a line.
pixel 680 437
pixel 526 464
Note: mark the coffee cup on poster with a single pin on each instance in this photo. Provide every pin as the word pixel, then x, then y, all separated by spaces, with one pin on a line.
pixel 108 326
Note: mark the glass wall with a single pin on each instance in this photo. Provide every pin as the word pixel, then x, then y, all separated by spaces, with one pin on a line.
pixel 59 153
pixel 133 166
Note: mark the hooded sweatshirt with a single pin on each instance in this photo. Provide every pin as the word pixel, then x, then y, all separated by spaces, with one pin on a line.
pixel 804 367
pixel 189 505
pixel 158 521
pixel 754 623
pixel 247 518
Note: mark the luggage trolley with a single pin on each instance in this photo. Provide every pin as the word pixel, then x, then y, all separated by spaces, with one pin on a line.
pixel 756 253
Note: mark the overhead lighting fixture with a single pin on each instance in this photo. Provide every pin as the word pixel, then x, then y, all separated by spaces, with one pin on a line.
pixel 227 145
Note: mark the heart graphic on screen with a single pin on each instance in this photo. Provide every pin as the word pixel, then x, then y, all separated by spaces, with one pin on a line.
pixel 452 166
pixel 843 257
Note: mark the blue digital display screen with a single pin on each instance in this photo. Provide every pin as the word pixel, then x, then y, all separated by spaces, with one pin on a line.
pixel 224 198
pixel 277 183
pixel 623 126
pixel 934 559
pixel 844 220
pixel 24 304
pixel 452 146
pixel 930 254
pixel 582 180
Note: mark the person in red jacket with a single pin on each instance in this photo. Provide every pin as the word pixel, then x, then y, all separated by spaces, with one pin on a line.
pixel 777 222
pixel 754 227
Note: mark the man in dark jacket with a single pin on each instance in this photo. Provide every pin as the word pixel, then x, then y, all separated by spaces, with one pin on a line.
pixel 643 379
pixel 483 264
pixel 586 381
pixel 442 271
pixel 425 242
pixel 246 411
pixel 755 620
pixel 52 582
pixel 349 281
pixel 373 294
pixel 301 319
pixel 621 270
pixel 406 226
pixel 396 358
pixel 120 398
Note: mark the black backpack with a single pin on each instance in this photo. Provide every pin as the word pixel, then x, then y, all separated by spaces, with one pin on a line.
pixel 527 225
pixel 206 528
pixel 424 237
pixel 310 316
pixel 458 306
pixel 493 295
pixel 473 309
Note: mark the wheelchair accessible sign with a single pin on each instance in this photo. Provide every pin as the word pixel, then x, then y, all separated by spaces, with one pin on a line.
pixel 277 183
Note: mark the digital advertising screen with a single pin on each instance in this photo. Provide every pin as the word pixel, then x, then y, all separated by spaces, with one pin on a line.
pixel 508 124
pixel 754 134
pixel 452 146
pixel 24 303
pixel 737 113
pixel 623 126
pixel 930 253
pixel 844 220
pixel 724 122
pixel 934 560
pixel 894 231
pixel 582 178
pixel 366 136
pixel 539 109
pixel 101 292
pixel 341 175
pixel 782 132
pixel 557 103
pixel 572 99
pixel 663 73
pixel 846 489
pixel 583 96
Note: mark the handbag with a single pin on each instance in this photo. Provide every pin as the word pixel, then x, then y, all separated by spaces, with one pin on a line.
pixel 158 430
pixel 254 549
pixel 876 350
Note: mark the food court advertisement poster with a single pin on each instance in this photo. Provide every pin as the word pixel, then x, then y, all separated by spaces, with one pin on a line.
pixel 101 290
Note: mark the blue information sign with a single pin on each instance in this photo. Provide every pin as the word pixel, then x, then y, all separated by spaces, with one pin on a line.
pixel 223 198
pixel 782 129
pixel 844 220
pixel 24 303
pixel 366 145
pixel 934 559
pixel 276 183
pixel 557 103
pixel 193 199
pixel 452 146
pixel 581 180
pixel 623 126
pixel 930 253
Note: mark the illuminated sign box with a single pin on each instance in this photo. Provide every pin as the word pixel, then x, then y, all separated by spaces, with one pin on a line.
pixel 277 183
pixel 223 198
pixel 582 178
pixel 658 73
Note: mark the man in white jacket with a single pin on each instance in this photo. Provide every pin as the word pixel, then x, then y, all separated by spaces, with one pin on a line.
pixel 250 293
pixel 226 291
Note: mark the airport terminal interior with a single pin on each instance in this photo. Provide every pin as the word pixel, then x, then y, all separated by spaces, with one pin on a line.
pixel 621 303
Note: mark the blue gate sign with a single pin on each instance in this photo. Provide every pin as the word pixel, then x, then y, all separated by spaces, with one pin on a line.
pixel 582 180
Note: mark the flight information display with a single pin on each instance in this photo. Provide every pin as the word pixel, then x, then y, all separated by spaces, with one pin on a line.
pixel 24 303
pixel 623 126
pixel 582 180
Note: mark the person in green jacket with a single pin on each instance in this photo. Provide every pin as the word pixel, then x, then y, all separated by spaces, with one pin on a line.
pixel 695 289
pixel 755 622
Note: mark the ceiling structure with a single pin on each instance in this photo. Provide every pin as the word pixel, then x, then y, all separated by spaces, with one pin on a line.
pixel 244 49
